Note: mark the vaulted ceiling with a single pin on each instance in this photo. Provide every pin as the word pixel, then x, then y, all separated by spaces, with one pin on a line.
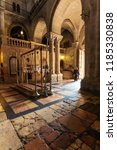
pixel 67 10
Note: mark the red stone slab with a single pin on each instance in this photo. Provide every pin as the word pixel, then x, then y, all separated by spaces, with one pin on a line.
pixel 63 141
pixel 49 134
pixel 85 115
pixel 36 144
pixel 73 123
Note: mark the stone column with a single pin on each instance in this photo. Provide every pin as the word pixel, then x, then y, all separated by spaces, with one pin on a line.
pixel 2 22
pixel 81 63
pixel 1 25
pixel 52 57
pixel 57 58
pixel 76 54
pixel 92 51
pixel 97 52
pixel 2 3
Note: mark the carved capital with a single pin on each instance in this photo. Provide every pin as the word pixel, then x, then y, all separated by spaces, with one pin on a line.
pixel 75 44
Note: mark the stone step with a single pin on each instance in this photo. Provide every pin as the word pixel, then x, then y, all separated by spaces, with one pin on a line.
pixel 29 90
pixel 23 90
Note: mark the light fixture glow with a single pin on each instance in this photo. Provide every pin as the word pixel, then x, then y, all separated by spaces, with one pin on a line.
pixel 21 32
pixel 1 57
pixel 62 57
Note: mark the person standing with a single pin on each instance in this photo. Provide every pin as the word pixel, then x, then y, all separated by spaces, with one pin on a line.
pixel 76 74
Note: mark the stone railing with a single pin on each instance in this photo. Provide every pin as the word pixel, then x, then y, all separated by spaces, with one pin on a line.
pixel 18 43
pixel 35 45
pixel 9 41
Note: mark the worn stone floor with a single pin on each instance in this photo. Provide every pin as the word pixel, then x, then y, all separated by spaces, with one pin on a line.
pixel 67 120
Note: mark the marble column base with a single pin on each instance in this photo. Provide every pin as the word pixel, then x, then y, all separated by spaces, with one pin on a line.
pixel 59 77
pixel 91 85
pixel 54 78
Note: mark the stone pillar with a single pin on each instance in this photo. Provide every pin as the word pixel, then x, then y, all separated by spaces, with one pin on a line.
pixel 57 58
pixel 1 27
pixel 2 22
pixel 91 17
pixel 81 63
pixel 97 52
pixel 52 57
pixel 2 3
pixel 76 54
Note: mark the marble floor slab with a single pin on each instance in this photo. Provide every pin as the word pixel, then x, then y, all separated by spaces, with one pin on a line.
pixel 65 92
pixel 49 99
pixel 22 106
pixel 8 137
pixel 68 120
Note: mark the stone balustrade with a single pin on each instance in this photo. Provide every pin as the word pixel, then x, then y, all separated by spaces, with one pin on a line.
pixel 18 43
pixel 9 41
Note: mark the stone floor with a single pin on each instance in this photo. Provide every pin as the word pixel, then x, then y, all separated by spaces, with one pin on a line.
pixel 67 120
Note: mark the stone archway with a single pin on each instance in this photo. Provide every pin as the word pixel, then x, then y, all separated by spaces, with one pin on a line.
pixel 40 30
pixel 67 53
pixel 69 15
pixel 18 31
pixel 67 9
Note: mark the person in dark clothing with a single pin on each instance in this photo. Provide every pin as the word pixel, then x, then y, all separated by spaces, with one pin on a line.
pixel 76 74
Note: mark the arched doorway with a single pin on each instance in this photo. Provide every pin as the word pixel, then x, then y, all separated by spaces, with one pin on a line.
pixel 40 37
pixel 67 54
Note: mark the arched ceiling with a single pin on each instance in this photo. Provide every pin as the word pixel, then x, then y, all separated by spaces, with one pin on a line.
pixel 67 9
pixel 67 24
pixel 40 30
